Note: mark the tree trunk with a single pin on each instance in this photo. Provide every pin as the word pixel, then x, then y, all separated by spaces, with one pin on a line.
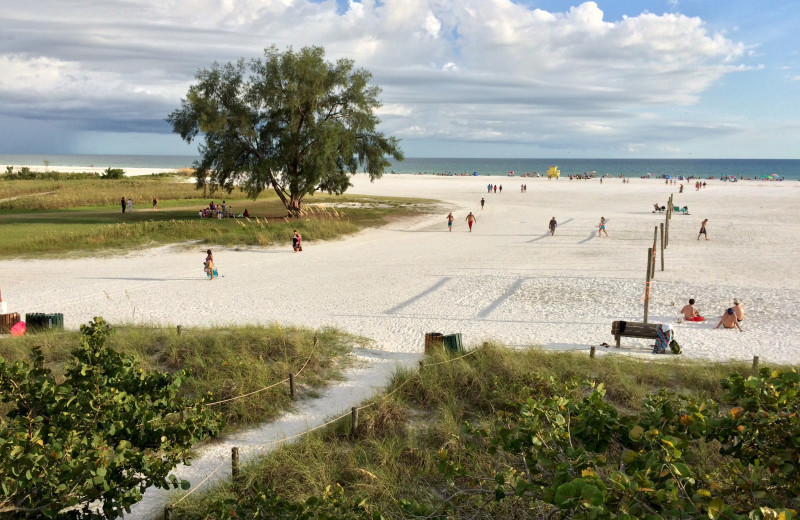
pixel 293 205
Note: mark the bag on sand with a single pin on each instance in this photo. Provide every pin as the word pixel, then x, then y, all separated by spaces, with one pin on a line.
pixel 675 347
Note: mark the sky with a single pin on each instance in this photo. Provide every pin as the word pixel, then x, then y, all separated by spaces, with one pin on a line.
pixel 459 78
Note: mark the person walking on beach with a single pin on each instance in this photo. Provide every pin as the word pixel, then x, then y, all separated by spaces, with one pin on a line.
pixel 483 201
pixel 489 188
pixel 208 265
pixel 495 188
pixel 703 230
pixel 728 321
pixel 155 204
pixel 450 219
pixel 553 225
pixel 130 205
pixel 123 203
pixel 601 228
pixel 297 241
pixel 470 220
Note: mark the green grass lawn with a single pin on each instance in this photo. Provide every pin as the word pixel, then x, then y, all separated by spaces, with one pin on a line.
pixel 83 216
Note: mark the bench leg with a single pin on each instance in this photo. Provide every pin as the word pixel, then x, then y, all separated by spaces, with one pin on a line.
pixel 617 338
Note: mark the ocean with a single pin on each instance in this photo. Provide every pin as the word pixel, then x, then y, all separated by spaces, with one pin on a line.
pixel 749 168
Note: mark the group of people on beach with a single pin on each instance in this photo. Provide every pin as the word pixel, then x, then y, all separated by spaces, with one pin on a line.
pixel 731 318
pixel 127 204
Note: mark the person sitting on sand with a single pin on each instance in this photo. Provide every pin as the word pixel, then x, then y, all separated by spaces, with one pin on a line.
pixel 246 213
pixel 728 321
pixel 690 313
pixel 738 310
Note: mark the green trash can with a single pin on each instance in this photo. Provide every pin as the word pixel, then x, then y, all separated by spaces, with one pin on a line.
pixel 452 342
pixel 40 320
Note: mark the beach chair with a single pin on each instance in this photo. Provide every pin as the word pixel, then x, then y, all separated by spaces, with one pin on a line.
pixel 683 211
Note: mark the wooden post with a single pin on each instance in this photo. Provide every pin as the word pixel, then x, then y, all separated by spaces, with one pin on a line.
pixel 647 283
pixel 666 232
pixel 755 362
pixel 591 352
pixel 234 463
pixel 662 245
pixel 180 329
pixel 168 513
pixel 354 420
pixel 291 385
pixel 655 250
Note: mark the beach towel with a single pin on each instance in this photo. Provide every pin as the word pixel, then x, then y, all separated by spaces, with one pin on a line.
pixel 664 337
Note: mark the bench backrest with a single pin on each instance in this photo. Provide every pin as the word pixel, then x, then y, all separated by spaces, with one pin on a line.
pixel 635 329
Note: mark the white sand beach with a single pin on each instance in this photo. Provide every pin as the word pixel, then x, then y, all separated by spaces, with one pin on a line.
pixel 508 280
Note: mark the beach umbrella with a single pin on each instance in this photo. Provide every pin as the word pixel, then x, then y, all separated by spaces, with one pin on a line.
pixel 18 329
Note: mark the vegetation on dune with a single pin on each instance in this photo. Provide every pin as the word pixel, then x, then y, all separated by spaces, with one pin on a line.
pixel 102 432
pixel 531 434
pixel 101 423
pixel 224 361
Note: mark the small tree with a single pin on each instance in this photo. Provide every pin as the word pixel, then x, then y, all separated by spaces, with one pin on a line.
pixel 103 435
pixel 113 173
pixel 291 121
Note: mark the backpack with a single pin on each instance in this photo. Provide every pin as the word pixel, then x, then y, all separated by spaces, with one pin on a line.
pixel 675 347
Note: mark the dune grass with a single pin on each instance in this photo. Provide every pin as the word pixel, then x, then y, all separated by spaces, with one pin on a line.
pixel 225 361
pixel 395 453
pixel 83 216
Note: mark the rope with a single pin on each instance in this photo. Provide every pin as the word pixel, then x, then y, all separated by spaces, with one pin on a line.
pixel 198 485
pixel 266 387
pixel 647 289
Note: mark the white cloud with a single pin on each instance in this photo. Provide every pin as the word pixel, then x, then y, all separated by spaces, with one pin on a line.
pixel 490 70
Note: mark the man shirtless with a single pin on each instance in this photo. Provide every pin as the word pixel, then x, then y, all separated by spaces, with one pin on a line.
pixel 690 312
pixel 728 321
pixel 738 310
pixel 470 220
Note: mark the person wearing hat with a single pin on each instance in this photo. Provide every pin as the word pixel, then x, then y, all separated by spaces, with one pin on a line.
pixel 728 320
pixel 738 310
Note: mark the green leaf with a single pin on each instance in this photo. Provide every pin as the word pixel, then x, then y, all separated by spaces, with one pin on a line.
pixel 715 509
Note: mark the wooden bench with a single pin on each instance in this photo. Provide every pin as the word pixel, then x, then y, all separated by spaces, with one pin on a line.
pixel 632 329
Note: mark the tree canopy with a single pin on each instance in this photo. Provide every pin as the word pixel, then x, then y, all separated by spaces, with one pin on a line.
pixel 290 121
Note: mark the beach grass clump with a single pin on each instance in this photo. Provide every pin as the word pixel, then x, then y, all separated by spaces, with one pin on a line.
pixel 224 361
pixel 415 439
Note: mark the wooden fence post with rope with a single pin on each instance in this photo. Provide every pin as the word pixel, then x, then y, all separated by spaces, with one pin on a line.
pixel 235 463
pixel 662 246
pixel 647 283
pixel 353 421
pixel 655 250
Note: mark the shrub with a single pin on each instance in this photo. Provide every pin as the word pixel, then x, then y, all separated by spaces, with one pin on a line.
pixel 105 433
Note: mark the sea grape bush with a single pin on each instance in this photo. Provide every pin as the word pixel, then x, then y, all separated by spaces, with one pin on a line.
pixel 573 455
pixel 88 446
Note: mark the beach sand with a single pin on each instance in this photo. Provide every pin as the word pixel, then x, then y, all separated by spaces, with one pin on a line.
pixel 507 281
